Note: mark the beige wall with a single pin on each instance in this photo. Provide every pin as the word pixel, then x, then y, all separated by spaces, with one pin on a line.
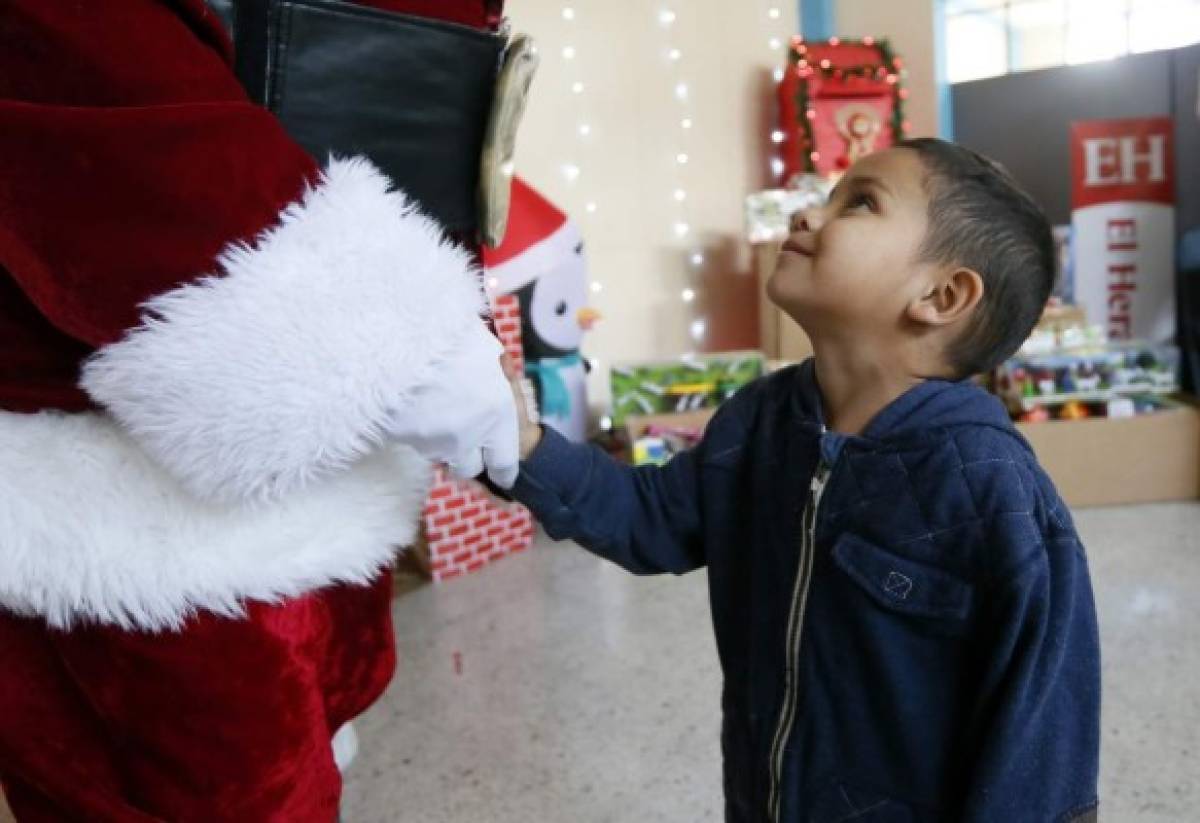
pixel 909 25
pixel 627 163
pixel 627 167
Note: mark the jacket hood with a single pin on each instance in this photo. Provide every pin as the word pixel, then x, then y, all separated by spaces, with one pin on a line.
pixel 928 407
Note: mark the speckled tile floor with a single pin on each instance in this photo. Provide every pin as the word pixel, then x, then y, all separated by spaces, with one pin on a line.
pixel 554 687
pixel 1146 573
pixel 547 687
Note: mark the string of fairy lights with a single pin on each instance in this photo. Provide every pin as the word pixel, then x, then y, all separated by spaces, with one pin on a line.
pixel 778 38
pixel 583 131
pixel 676 68
pixel 775 26
pixel 580 123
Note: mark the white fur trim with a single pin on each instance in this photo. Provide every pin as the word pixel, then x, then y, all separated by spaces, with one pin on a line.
pixel 287 367
pixel 345 746
pixel 92 530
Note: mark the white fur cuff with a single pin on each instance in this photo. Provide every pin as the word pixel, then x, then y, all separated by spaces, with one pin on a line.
pixel 287 366
pixel 92 530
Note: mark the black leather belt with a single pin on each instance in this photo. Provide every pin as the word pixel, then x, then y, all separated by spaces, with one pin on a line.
pixel 412 94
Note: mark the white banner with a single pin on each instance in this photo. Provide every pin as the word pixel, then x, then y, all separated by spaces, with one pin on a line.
pixel 1123 226
pixel 1125 269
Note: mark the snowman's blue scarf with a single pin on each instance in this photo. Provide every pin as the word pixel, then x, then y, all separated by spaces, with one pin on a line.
pixel 556 402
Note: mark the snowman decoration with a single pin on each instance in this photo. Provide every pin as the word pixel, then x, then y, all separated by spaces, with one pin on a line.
pixel 541 262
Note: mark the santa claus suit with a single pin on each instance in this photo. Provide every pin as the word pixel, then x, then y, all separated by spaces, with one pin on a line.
pixel 221 374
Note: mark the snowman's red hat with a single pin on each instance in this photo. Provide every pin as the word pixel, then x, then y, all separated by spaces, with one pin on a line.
pixel 538 238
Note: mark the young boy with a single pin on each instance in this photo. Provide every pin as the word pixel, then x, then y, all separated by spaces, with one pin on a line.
pixel 901 603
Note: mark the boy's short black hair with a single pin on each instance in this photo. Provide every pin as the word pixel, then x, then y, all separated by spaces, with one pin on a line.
pixel 980 218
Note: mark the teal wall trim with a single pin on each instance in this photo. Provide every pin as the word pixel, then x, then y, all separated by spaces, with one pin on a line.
pixel 945 103
pixel 817 20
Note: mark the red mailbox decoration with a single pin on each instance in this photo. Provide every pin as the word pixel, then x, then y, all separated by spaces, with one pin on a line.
pixel 838 100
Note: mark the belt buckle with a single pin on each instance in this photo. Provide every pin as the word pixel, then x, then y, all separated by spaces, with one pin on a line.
pixel 517 68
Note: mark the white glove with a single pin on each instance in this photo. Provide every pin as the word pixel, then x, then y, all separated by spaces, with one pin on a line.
pixel 466 416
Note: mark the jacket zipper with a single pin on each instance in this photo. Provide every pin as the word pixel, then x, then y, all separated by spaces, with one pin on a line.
pixel 787 716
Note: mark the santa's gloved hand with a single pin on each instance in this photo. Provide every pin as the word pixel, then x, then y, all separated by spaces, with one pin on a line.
pixel 465 417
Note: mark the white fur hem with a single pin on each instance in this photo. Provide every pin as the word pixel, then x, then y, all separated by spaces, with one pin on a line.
pixel 345 746
pixel 287 366
pixel 91 530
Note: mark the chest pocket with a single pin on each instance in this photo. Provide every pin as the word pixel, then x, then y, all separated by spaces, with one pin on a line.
pixel 902 585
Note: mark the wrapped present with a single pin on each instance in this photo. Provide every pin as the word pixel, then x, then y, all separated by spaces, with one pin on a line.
pixel 682 385
pixel 768 212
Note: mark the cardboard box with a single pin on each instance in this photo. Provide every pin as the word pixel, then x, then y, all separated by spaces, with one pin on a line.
pixel 1103 462
pixel 636 425
pixel 680 384
pixel 1100 462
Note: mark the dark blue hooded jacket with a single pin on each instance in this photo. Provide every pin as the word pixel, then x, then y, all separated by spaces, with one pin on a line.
pixel 920 645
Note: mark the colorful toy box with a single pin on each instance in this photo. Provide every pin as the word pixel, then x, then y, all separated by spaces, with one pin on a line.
pixel 681 385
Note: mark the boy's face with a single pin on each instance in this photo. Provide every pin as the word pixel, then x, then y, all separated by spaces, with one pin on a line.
pixel 852 265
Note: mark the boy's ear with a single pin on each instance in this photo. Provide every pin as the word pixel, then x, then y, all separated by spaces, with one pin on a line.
pixel 950 299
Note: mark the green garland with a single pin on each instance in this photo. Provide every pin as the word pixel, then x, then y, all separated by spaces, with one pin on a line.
pixel 888 66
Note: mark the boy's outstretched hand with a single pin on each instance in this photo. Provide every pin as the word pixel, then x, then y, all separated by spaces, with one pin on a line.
pixel 530 429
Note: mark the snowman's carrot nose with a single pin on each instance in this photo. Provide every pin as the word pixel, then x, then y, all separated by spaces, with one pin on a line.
pixel 587 318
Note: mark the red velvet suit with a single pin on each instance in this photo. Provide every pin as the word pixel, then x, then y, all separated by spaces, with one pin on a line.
pixel 129 158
